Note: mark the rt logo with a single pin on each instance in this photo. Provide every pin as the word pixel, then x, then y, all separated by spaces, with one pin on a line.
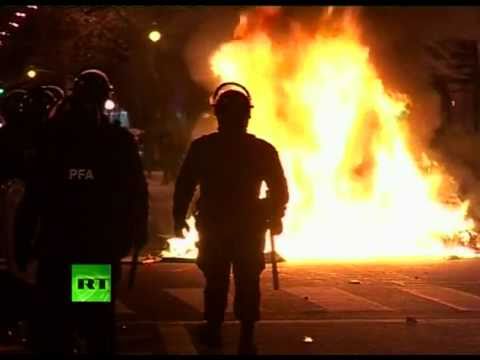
pixel 80 174
pixel 91 283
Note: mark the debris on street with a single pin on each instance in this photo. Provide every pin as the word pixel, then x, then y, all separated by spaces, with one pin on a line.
pixel 307 339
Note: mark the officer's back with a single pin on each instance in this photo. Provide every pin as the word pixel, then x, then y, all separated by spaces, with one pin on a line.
pixel 231 170
pixel 83 183
pixel 229 166
pixel 88 187
pixel 89 197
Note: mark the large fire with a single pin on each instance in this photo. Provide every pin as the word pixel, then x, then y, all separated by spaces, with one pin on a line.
pixel 358 189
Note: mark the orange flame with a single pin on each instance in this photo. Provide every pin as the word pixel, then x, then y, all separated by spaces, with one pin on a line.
pixel 357 190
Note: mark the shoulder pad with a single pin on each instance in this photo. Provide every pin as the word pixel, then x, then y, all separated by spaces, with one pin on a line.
pixel 204 138
pixel 263 143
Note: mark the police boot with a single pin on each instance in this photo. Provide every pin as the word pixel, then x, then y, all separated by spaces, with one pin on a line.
pixel 210 334
pixel 247 344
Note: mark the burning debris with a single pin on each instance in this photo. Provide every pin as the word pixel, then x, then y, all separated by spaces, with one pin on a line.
pixel 179 248
pixel 359 189
pixel 146 259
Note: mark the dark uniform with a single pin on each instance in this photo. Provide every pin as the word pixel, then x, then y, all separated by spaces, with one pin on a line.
pixel 26 113
pixel 16 137
pixel 229 166
pixel 90 200
pixel 17 156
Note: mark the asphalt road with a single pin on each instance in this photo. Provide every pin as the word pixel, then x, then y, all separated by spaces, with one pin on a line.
pixel 428 308
pixel 320 309
pixel 372 308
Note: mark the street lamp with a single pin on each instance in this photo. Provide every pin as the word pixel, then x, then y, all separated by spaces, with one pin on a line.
pixel 34 71
pixel 154 36
pixel 31 74
pixel 109 105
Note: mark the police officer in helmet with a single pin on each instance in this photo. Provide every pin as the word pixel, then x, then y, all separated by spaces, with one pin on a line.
pixel 17 156
pixel 56 91
pixel 229 167
pixel 89 199
pixel 13 105
pixel 40 104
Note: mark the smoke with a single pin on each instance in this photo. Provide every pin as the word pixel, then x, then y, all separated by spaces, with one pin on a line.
pixel 398 37
pixel 215 29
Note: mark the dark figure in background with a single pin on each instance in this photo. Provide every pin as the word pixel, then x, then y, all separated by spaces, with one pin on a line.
pixel 40 105
pixel 56 91
pixel 25 113
pixel 229 166
pixel 17 156
pixel 86 203
pixel 16 136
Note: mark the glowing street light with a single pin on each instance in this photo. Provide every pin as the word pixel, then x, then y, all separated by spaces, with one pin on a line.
pixel 109 105
pixel 31 74
pixel 14 24
pixel 154 35
pixel 20 14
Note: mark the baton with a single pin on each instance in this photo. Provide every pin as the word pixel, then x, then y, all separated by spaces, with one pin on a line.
pixel 276 280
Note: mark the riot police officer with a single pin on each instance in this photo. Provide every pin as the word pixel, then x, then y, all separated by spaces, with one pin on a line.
pixel 40 104
pixel 229 166
pixel 16 159
pixel 89 198
pixel 18 150
pixel 24 112
pixel 57 92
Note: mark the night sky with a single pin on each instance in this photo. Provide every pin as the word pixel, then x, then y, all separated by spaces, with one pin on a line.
pixel 65 40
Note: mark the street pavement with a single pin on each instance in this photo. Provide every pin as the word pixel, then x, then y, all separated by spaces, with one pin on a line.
pixel 427 307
